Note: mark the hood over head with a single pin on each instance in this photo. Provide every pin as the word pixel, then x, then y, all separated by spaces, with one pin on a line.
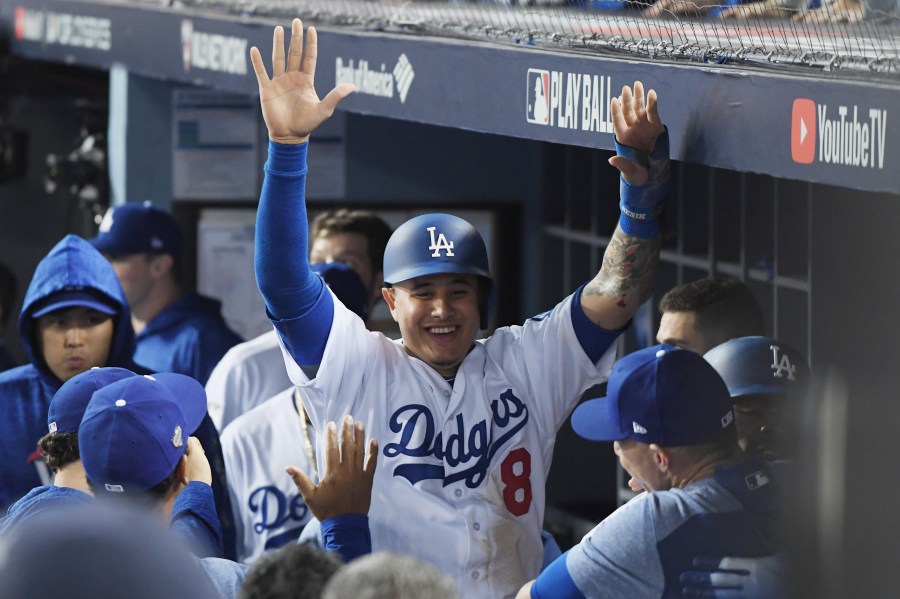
pixel 72 269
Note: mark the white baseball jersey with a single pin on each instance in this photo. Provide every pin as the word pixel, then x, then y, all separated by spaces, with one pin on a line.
pixel 268 509
pixel 461 475
pixel 247 375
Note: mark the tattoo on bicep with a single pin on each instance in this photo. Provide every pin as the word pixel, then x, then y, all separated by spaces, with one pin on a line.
pixel 627 271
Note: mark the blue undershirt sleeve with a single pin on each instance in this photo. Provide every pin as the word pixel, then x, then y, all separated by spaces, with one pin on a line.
pixel 296 299
pixel 195 521
pixel 555 582
pixel 348 535
pixel 594 339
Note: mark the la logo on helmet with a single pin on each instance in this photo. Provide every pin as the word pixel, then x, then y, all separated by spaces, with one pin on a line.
pixel 439 244
pixel 782 365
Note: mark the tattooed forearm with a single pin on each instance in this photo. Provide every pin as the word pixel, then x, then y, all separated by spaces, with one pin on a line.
pixel 626 276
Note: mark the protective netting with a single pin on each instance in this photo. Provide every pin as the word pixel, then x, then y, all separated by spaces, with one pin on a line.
pixel 858 37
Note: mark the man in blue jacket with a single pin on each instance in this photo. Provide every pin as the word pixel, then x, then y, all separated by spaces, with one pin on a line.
pixel 74 317
pixel 176 331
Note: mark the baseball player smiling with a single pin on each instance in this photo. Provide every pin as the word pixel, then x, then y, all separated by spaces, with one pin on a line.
pixel 466 426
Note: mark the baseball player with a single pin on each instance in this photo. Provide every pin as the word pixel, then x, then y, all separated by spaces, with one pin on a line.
pixel 767 380
pixel 672 423
pixel 704 313
pixel 268 508
pixel 175 331
pixel 467 427
pixel 74 317
pixel 192 520
pixel 134 442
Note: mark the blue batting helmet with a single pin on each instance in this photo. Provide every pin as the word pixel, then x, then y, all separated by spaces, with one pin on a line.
pixel 759 365
pixel 439 244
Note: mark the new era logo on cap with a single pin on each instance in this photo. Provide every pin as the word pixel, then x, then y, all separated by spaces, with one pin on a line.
pixel 803 131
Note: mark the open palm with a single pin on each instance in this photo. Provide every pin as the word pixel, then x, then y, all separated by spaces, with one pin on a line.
pixel 290 106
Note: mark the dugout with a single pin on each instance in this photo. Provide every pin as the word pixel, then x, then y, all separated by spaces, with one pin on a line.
pixel 450 121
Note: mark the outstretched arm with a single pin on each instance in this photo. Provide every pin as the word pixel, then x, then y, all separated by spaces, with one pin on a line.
pixel 295 297
pixel 629 262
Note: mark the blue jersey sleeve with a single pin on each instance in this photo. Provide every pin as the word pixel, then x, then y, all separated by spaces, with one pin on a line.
pixel 594 339
pixel 555 582
pixel 297 301
pixel 347 535
pixel 195 521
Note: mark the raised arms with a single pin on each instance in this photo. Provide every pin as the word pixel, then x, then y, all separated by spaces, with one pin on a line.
pixel 625 278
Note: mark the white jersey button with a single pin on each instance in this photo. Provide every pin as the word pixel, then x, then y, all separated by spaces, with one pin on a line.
pixel 476 526
pixel 458 492
pixel 475 575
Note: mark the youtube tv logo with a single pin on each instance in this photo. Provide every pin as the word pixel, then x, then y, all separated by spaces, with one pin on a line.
pixel 803 131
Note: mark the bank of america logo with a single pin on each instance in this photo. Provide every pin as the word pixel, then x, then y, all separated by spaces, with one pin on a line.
pixel 403 76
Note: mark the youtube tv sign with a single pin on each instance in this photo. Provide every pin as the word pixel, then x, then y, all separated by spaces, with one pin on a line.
pixel 844 135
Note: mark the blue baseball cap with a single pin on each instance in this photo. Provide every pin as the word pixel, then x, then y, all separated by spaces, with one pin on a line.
pixel 137 228
pixel 135 431
pixel 346 285
pixel 661 394
pixel 70 298
pixel 70 401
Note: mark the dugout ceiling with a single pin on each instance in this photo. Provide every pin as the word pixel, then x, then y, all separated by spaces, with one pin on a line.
pixel 819 129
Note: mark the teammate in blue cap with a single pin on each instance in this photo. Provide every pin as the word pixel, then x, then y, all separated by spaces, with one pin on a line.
pixel 670 417
pixel 176 331
pixel 135 444
pixel 193 519
pixel 59 447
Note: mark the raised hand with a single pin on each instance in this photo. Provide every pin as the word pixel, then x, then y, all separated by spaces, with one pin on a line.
pixel 197 467
pixel 346 487
pixel 290 105
pixel 637 124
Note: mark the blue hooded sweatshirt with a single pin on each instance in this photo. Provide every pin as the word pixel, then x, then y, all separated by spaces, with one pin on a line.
pixel 188 337
pixel 26 391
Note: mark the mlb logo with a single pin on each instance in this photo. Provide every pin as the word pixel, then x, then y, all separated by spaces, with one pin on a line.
pixel 756 480
pixel 538 109
pixel 803 131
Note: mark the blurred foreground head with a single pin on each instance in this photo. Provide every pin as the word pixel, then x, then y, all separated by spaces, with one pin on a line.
pixel 91 551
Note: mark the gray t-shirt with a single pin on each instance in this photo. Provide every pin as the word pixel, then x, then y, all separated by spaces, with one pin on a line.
pixel 641 549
